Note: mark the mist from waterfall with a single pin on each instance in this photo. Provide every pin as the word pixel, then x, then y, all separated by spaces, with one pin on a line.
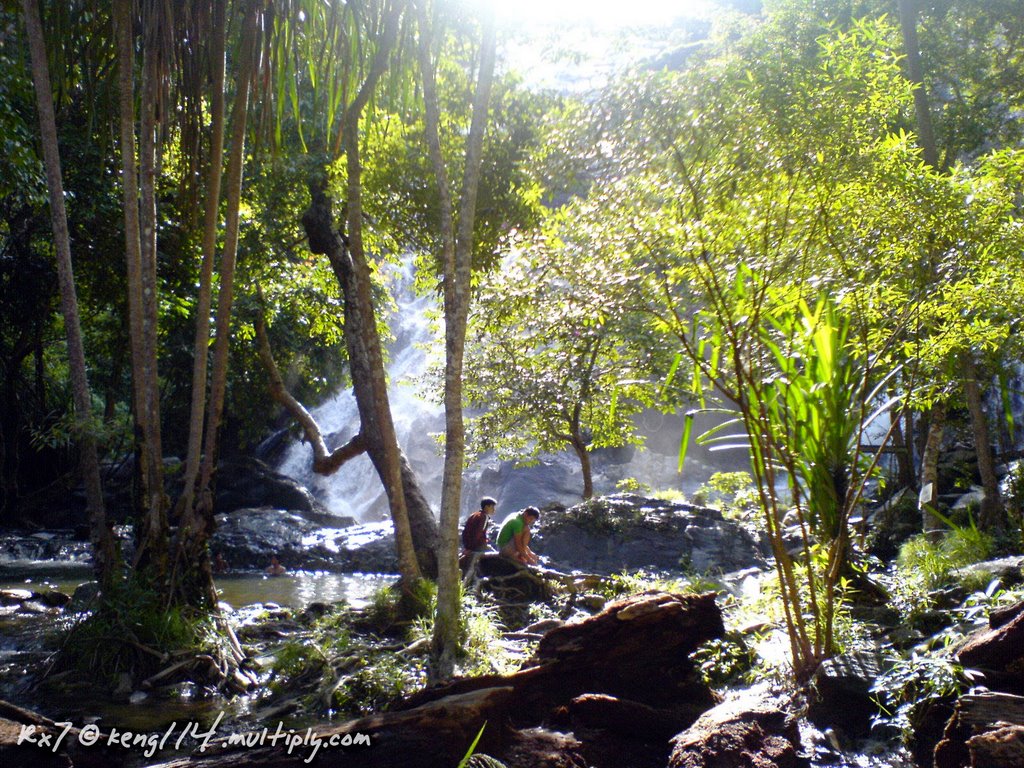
pixel 356 491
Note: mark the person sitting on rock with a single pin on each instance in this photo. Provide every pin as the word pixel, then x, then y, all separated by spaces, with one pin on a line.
pixel 474 532
pixel 275 568
pixel 514 536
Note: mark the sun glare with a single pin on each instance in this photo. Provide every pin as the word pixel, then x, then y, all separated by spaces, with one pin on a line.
pixel 605 13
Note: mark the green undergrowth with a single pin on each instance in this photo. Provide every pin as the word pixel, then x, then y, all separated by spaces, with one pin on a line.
pixel 133 632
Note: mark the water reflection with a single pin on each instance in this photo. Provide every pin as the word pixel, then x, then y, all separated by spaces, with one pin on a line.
pixel 299 589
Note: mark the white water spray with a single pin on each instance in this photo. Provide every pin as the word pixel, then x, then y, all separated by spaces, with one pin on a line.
pixel 355 489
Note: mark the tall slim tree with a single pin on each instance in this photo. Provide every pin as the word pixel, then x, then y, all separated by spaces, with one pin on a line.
pixel 100 534
pixel 138 185
pixel 991 505
pixel 197 514
pixel 456 260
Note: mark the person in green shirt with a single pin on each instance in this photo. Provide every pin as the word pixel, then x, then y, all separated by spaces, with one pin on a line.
pixel 514 536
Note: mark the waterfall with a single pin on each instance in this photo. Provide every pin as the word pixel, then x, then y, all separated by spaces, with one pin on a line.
pixel 355 490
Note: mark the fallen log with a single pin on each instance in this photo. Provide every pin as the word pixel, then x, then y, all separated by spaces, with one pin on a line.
pixel 30 739
pixel 635 649
pixel 436 735
pixel 980 715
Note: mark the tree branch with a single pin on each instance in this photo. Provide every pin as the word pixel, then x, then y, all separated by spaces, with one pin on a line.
pixel 324 462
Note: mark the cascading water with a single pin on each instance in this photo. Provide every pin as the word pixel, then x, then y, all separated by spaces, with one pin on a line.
pixel 355 490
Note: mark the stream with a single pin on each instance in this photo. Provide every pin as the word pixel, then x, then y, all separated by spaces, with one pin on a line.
pixel 27 640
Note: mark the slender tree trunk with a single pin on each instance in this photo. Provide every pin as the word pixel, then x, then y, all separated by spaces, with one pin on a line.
pixel 992 515
pixel 902 448
pixel 929 469
pixel 100 534
pixel 580 447
pixel 154 544
pixel 193 572
pixel 210 222
pixel 912 49
pixel 152 537
pixel 457 252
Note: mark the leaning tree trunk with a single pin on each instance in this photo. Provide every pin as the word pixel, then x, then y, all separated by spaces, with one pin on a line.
pixel 415 529
pixel 100 534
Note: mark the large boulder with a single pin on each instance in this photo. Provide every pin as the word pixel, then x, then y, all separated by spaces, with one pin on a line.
pixel 755 729
pixel 629 532
pixel 248 538
pixel 249 483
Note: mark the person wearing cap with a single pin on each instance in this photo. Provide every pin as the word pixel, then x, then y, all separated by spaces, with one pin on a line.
pixel 514 536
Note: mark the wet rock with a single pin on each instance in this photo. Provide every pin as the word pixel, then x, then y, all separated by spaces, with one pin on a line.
pixel 752 730
pixel 15 596
pixel 842 698
pixel 998 651
pixel 248 483
pixel 1009 570
pixel 83 597
pixel 248 538
pixel 628 532
pixel 997 718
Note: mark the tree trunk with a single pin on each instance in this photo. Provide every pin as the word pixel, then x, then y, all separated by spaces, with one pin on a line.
pixel 369 383
pixel 992 515
pixel 457 253
pixel 152 539
pixel 903 445
pixel 929 469
pixel 912 49
pixel 205 299
pixel 193 570
pixel 100 534
pixel 580 447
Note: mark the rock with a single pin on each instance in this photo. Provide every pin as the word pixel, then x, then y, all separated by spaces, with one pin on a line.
pixel 15 596
pixel 83 597
pixel 998 651
pixel 629 532
pixel 643 659
pixel 248 483
pixel 248 538
pixel 54 599
pixel 1009 570
pixel 842 698
pixel 752 730
pixel 998 717
pixel 1002 747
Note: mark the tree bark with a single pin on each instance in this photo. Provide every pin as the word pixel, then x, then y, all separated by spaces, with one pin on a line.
pixel 583 455
pixel 325 462
pixel 992 515
pixel 205 300
pixel 148 451
pixel 929 468
pixel 369 382
pixel 912 49
pixel 457 254
pixel 193 572
pixel 100 534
